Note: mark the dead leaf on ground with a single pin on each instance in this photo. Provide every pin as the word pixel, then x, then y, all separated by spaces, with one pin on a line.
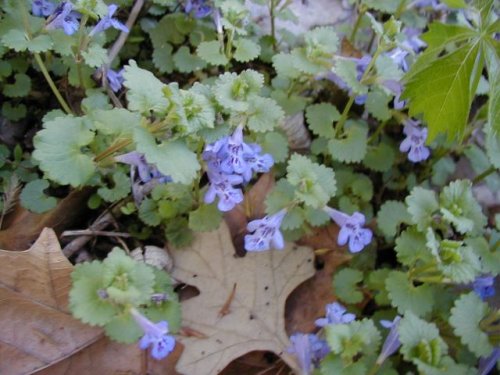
pixel 23 226
pixel 307 302
pixel 37 329
pixel 106 357
pixel 256 318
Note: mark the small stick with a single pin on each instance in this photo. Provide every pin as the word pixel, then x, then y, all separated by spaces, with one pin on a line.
pixel 90 232
pixel 189 332
pixel 225 309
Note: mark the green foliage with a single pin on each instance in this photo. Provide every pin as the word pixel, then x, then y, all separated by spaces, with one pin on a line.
pixel 380 158
pixel 377 102
pixel 145 90
pixel 465 318
pixel 211 53
pixel 346 70
pixel 19 88
pixel 246 50
pixel 422 204
pixel 410 246
pixel 232 91
pixel 406 296
pixel 390 216
pixel 275 144
pixel 186 62
pixel 34 199
pixel 19 41
pixel 352 148
pixel 314 183
pixel 205 218
pixel 345 284
pixel 348 340
pixel 59 150
pixel 120 189
pixel 459 208
pixel 321 117
pixel 264 114
pixel 148 212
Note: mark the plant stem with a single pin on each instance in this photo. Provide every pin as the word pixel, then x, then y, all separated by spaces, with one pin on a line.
pixel 273 22
pixel 356 25
pixel 52 85
pixel 483 175
pixel 377 131
pixel 340 124
pixel 374 369
pixel 109 151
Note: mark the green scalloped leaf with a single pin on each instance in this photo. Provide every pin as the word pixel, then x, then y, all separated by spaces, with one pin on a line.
pixel 377 104
pixel 58 150
pixel 84 301
pixel 407 297
pixel 21 87
pixel 18 41
pixel 118 122
pixel 163 59
pixel 186 62
pixel 264 114
pixel 422 204
pixel 95 100
pixel 246 50
pixel 390 216
pixel 376 282
pixel 490 257
pixel 123 328
pixel 459 208
pixel 315 184
pixel 211 53
pixel 349 340
pixel 205 218
pixel 169 310
pixel 352 148
pixel 196 111
pixel 421 343
pixel 284 65
pixel 275 144
pixel 465 318
pixel 282 194
pixel 380 158
pixel 346 70
pixel 148 212
pixel 34 199
pixel 345 285
pixel 178 233
pixel 320 118
pixel 145 92
pixel 411 247
pixel 95 55
pixel 442 170
pixel 232 91
pixel 13 112
pixel 120 190
pixel 172 158
pixel 386 6
pixel 293 219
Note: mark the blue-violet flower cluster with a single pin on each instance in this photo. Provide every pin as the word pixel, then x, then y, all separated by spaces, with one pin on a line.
pixel 484 286
pixel 335 314
pixel 351 229
pixel 232 162
pixel 309 350
pixel 155 335
pixel 147 172
pixel 266 232
pixel 65 18
pixel 108 21
pixel 199 8
pixel 414 143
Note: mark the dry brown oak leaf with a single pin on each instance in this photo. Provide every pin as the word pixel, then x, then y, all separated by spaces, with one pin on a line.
pixel 255 317
pixel 37 330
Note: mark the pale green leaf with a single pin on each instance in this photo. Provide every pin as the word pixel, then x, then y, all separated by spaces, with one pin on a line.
pixel 390 216
pixel 465 317
pixel 186 62
pixel 275 144
pixel 120 189
pixel 205 218
pixel 163 59
pixel 352 148
pixel 95 56
pixel 58 150
pixel 232 91
pixel 283 63
pixel 320 118
pixel 211 53
pixel 145 92
pixel 407 297
pixel 377 104
pixel 118 122
pixel 34 199
pixel 348 340
pixel 264 114
pixel 246 50
pixel 380 158
pixel 411 246
pixel 422 204
pixel 345 285
pixel 346 70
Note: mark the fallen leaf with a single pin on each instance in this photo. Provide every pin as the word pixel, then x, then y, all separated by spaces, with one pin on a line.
pixel 256 318
pixel 34 287
pixel 107 357
pixel 307 302
pixel 23 226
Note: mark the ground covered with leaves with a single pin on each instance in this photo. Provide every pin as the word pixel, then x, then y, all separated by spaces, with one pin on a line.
pixel 227 187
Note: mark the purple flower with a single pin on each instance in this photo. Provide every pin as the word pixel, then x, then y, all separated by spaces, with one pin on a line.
pixel 155 335
pixel 397 88
pixel 413 41
pixel 434 4
pixel 42 8
pixel 335 314
pixel 484 286
pixel 487 364
pixel 198 7
pixel 222 186
pixel 115 79
pixel 414 143
pixel 217 21
pixel 64 17
pixel 398 56
pixel 108 21
pixel 391 343
pixel 350 229
pixel 146 171
pixel 308 349
pixel 266 231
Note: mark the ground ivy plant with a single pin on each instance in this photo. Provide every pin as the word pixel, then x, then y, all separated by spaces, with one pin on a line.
pixel 169 111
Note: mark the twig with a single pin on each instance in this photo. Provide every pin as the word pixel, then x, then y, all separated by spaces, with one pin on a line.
pixel 90 232
pixel 225 309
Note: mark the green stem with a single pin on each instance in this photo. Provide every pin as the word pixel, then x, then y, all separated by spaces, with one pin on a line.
pixel 52 85
pixel 347 108
pixel 272 6
pixel 377 132
pixel 374 369
pixel 483 175
pixel 82 45
pixel 357 24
